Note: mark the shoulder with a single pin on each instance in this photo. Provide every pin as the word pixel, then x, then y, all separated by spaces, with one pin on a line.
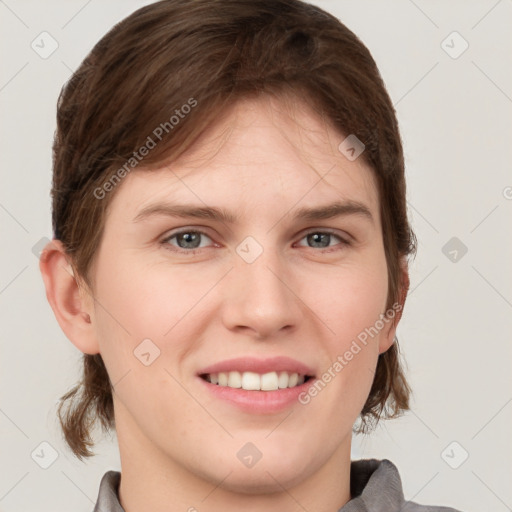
pixel 377 482
pixel 108 497
pixel 411 506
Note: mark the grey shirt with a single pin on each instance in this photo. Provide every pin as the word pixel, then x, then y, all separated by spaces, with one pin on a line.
pixel 375 486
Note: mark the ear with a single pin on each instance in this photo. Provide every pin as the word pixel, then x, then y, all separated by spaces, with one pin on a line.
pixel 387 336
pixel 73 305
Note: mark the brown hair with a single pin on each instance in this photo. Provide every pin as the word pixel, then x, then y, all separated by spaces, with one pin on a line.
pixel 213 52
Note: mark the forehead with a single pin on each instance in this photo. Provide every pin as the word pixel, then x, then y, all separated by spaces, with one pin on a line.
pixel 260 152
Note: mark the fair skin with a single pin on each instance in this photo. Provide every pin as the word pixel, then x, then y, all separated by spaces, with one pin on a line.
pixel 178 441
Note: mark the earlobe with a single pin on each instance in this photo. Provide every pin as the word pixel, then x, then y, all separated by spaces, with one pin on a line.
pixel 72 306
pixel 395 312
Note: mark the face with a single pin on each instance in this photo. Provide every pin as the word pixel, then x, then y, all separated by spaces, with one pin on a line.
pixel 181 300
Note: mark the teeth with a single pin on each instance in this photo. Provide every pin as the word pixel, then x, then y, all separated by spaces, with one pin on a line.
pixel 234 380
pixel 269 381
pixel 283 380
pixel 252 381
pixel 223 379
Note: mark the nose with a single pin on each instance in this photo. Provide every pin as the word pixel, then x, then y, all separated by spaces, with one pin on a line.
pixel 260 296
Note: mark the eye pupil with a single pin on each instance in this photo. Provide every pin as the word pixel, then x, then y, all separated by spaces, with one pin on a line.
pixel 189 237
pixel 315 237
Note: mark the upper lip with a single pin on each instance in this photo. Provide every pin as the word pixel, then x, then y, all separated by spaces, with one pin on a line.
pixel 262 366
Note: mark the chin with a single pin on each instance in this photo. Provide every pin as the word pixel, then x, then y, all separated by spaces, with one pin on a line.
pixel 264 480
pixel 270 474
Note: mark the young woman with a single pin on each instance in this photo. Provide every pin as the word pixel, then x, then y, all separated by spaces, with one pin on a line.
pixel 230 254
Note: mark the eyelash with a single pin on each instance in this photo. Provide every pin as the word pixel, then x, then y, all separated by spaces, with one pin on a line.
pixel 167 246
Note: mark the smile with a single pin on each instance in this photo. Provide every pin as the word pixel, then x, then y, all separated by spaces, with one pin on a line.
pixel 252 381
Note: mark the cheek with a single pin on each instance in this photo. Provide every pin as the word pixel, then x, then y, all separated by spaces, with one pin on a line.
pixel 350 299
pixel 146 323
pixel 350 305
pixel 139 301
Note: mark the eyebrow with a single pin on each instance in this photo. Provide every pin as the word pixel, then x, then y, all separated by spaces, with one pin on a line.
pixel 329 211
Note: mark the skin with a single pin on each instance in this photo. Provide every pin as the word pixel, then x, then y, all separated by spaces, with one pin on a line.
pixel 262 160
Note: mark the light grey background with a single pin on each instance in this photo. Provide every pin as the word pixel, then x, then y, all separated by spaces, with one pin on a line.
pixel 455 117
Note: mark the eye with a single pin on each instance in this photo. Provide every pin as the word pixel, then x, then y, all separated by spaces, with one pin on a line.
pixel 187 240
pixel 321 239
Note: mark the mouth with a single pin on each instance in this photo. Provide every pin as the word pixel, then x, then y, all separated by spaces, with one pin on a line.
pixel 252 381
pixel 255 385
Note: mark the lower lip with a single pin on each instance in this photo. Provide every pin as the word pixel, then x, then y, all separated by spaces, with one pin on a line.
pixel 258 402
